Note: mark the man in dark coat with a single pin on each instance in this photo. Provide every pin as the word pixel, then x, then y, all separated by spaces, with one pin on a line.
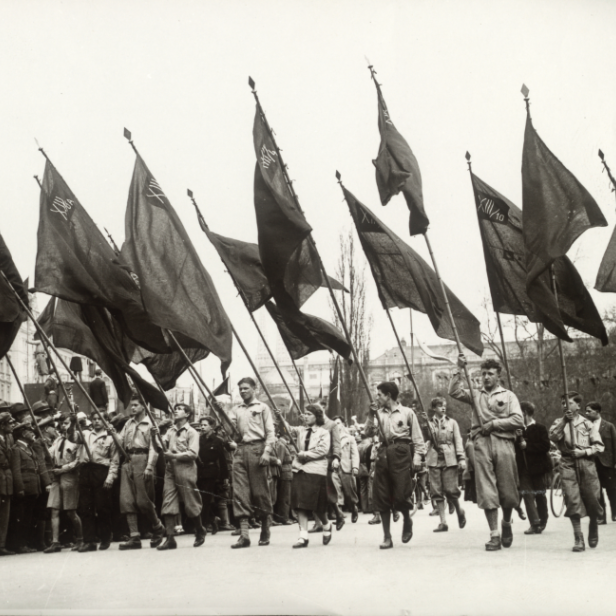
pixel 533 461
pixel 98 391
pixel 606 460
pixel 212 470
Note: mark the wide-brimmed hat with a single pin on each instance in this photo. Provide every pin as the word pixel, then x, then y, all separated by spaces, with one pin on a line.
pixel 19 429
pixel 5 417
pixel 40 407
pixel 18 408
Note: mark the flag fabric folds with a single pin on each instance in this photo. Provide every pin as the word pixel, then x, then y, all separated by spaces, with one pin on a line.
pixel 606 276
pixel 405 280
pixel 177 291
pixel 74 262
pixel 556 208
pixel 500 225
pixel 288 255
pixel 93 332
pixel 303 333
pixel 397 169
pixel 243 261
pixel 12 315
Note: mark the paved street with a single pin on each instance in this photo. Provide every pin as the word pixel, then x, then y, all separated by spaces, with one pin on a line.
pixel 448 573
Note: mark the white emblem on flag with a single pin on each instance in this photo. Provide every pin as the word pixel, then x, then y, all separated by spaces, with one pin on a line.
pixel 61 206
pixel 267 156
pixel 156 191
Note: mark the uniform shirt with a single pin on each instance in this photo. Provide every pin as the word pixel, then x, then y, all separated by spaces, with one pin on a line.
pixel 447 434
pixel 587 436
pixel 64 454
pixel 500 406
pixel 400 422
pixel 136 435
pixel 254 423
pixel 183 441
pixel 103 450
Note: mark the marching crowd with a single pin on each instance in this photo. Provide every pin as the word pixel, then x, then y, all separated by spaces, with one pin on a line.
pixel 69 481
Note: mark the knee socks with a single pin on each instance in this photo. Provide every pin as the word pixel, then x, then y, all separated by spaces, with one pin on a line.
pixel 492 517
pixel 386 521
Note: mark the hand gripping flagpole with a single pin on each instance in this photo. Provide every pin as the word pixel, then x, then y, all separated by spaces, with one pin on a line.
pixel 498 319
pixel 283 167
pixel 204 226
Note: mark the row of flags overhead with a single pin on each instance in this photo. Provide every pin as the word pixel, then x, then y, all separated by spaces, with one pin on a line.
pixel 118 307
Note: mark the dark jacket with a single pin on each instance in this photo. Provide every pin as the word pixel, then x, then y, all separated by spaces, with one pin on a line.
pixel 537 447
pixel 6 456
pixel 25 470
pixel 607 431
pixel 98 392
pixel 212 461
pixel 45 465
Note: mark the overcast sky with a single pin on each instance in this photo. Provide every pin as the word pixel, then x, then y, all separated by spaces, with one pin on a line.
pixel 74 74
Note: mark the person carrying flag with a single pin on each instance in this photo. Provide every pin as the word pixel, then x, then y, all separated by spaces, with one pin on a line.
pixel 493 434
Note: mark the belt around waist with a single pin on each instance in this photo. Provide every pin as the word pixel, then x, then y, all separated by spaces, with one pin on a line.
pixel 137 450
pixel 252 442
pixel 400 439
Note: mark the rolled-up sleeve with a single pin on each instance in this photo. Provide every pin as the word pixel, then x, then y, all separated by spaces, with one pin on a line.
pixel 457 389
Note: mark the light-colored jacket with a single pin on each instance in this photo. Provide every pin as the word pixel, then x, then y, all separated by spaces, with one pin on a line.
pixel 449 439
pixel 318 449
pixel 349 454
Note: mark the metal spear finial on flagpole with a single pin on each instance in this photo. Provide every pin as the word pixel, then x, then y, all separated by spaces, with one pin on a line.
pixel 525 92
pixel 129 137
pixel 468 161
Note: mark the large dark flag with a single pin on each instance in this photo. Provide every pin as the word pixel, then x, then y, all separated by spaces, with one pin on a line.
pixel 243 262
pixel 405 280
pixel 556 209
pixel 397 169
pixel 288 255
pixel 500 225
pixel 177 291
pixel 93 332
pixel 304 333
pixel 74 262
pixel 12 315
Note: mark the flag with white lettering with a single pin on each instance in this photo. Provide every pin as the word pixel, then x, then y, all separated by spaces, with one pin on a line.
pixel 177 291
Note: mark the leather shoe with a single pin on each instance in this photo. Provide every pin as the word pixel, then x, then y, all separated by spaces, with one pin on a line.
pixel 354 515
pixel 578 546
pixel 600 522
pixel 104 545
pixel 533 530
pixel 339 523
pixel 375 520
pixel 199 539
pixel 157 537
pixel 441 528
pixel 407 530
pixel 452 508
pixel 236 532
pixel 288 523
pixel 242 542
pixel 316 529
pixel 461 519
pixel 327 536
pixel 387 544
pixel 507 535
pixel 87 547
pixel 134 543
pixel 264 538
pixel 25 550
pixel 5 552
pixel 169 544
pixel 301 543
pixel 215 525
pixel 78 545
pixel 226 527
pixel 521 515
pixel 593 534
pixel 494 544
pixel 433 512
pixel 56 547
pixel 396 516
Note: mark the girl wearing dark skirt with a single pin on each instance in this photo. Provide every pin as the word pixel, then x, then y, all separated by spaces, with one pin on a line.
pixel 309 487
